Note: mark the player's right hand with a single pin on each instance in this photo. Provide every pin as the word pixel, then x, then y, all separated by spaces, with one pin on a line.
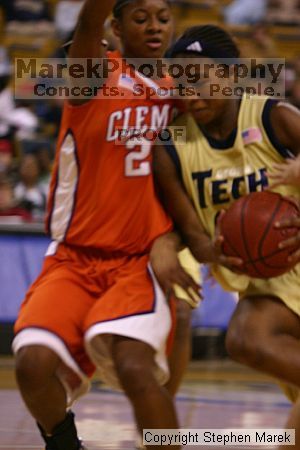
pixel 293 222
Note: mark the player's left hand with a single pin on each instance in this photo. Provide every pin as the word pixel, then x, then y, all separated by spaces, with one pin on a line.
pixel 169 272
pixel 230 262
pixel 293 222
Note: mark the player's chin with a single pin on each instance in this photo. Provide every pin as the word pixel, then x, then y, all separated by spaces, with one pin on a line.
pixel 203 116
pixel 155 53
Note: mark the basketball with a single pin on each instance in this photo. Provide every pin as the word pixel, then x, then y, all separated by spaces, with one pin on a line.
pixel 249 233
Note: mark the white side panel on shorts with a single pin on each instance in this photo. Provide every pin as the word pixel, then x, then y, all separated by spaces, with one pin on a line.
pixel 65 192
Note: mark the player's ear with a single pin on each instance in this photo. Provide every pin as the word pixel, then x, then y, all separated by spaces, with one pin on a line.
pixel 116 27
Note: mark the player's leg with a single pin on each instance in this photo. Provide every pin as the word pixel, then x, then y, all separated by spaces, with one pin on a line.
pixel 135 366
pixel 293 423
pixel 181 349
pixel 265 334
pixel 45 397
pixel 36 368
pixel 180 354
pixel 50 358
pixel 126 338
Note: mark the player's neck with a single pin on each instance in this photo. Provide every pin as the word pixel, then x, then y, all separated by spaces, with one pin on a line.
pixel 225 123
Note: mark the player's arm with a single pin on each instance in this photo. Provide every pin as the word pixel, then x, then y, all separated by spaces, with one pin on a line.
pixel 168 269
pixel 87 41
pixel 285 122
pixel 90 29
pixel 180 208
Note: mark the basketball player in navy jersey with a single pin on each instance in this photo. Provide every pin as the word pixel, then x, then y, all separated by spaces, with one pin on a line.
pixel 218 163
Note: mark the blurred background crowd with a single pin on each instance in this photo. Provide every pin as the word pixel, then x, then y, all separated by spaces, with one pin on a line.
pixel 38 28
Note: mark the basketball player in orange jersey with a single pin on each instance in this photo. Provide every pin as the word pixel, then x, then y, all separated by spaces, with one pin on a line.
pixel 231 144
pixel 97 302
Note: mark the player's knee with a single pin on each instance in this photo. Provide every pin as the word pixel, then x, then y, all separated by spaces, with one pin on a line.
pixel 233 344
pixel 244 347
pixel 135 377
pixel 34 365
pixel 183 319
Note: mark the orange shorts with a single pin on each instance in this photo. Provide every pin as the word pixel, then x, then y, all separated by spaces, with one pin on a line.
pixel 82 293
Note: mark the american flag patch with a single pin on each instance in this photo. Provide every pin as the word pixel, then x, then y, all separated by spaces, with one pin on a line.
pixel 252 135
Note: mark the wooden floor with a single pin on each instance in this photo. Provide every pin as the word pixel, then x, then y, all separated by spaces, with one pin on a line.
pixel 213 395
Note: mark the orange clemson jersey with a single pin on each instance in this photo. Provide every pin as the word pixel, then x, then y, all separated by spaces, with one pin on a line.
pixel 102 192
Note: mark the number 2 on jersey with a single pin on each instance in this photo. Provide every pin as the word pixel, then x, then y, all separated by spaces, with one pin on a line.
pixel 135 166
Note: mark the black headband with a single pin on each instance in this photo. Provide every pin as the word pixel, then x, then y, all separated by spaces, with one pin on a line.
pixel 204 49
pixel 119 5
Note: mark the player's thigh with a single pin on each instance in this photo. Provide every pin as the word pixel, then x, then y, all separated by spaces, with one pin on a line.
pixel 257 318
pixel 133 362
pixel 132 357
pixel 181 324
pixel 53 311
pixel 183 316
pixel 134 308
